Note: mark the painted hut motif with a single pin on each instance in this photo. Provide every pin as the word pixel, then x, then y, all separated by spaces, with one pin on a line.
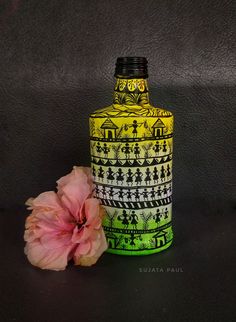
pixel 160 238
pixel 158 128
pixel 109 129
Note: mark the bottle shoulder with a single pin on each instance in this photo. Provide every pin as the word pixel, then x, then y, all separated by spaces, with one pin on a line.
pixel 118 110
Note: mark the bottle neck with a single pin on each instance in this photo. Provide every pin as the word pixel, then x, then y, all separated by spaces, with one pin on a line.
pixel 131 91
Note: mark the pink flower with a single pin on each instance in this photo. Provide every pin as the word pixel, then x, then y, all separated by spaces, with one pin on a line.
pixel 66 224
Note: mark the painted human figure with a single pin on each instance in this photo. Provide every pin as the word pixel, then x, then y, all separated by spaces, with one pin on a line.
pixel 94 172
pixel 136 150
pixel 101 173
pixel 106 150
pixel 97 191
pixel 138 177
pixel 157 216
pixel 137 195
pixel 159 192
pixel 157 148
pixel 132 239
pixel 152 193
pixel 126 150
pixel 145 194
pixel 110 175
pixel 124 218
pixel 121 194
pixel 134 219
pixel 111 192
pixel 129 177
pixel 164 190
pixel 155 175
pixel 164 145
pixel 104 192
pixel 166 213
pixel 135 125
pixel 129 194
pixel 148 176
pixel 163 171
pixel 119 176
pixel 168 173
pixel 98 148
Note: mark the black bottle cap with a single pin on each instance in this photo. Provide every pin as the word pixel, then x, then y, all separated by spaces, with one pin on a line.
pixel 131 67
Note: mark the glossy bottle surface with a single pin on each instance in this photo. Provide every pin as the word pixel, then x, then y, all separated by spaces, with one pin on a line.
pixel 131 159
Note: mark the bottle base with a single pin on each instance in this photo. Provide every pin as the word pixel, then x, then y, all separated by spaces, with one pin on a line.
pixel 139 252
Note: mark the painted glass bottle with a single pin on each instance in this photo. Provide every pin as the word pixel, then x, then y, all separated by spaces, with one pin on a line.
pixel 131 161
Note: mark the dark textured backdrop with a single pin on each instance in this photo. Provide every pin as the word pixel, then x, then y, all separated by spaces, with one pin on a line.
pixel 57 64
pixel 57 61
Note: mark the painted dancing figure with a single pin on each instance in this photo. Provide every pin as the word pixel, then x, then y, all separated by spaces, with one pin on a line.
pixel 104 192
pixel 124 218
pixel 132 239
pixel 111 192
pixel 134 219
pixel 129 195
pixel 159 192
pixel 164 146
pixel 153 193
pixel 168 173
pixel 126 150
pixel 138 177
pixel 121 194
pixel 106 150
pixel 155 175
pixel 94 172
pixel 137 195
pixel 119 176
pixel 166 213
pixel 129 177
pixel 99 149
pixel 163 173
pixel 148 176
pixel 101 173
pixel 136 150
pixel 145 194
pixel 97 191
pixel 164 190
pixel 170 189
pixel 110 175
pixel 157 216
pixel 157 148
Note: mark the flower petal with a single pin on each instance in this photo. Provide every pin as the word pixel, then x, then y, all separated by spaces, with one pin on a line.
pixel 74 174
pixel 54 259
pixel 47 199
pixel 97 248
pixel 56 240
pixel 74 189
pixel 82 234
pixel 92 210
pixel 83 248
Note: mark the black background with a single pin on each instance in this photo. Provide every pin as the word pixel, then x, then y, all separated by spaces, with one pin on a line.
pixel 57 63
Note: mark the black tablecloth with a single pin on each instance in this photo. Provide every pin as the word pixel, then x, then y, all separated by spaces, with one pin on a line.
pixel 192 281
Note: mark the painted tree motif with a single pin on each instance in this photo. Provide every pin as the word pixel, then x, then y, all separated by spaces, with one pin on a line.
pixel 147 147
pixel 120 132
pixel 146 218
pixel 116 149
pixel 111 217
